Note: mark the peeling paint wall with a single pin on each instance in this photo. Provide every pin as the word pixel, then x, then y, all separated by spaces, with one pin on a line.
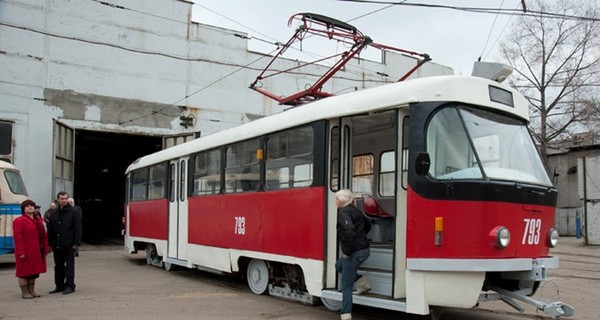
pixel 134 66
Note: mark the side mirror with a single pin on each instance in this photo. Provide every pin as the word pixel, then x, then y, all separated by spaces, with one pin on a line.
pixel 422 163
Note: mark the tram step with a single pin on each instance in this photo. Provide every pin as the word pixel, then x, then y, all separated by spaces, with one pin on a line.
pixel 381 281
pixel 369 300
pixel 380 258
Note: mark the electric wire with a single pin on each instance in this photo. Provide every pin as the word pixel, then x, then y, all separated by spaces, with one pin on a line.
pixel 197 91
pixel 491 30
pixel 528 13
pixel 191 59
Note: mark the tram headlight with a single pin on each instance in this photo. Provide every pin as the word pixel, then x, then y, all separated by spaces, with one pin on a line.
pixel 553 238
pixel 501 237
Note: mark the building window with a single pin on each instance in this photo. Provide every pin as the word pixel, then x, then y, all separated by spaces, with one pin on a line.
pixel 63 143
pixel 6 136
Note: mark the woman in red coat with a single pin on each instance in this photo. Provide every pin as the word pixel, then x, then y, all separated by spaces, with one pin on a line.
pixel 31 247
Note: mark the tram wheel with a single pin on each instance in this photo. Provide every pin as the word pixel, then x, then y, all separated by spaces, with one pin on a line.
pixel 150 253
pixel 168 266
pixel 257 276
pixel 333 305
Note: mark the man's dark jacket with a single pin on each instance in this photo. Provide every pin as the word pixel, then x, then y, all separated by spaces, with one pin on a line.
pixel 64 229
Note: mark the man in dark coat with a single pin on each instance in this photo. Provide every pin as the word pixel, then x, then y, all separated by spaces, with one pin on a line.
pixel 64 236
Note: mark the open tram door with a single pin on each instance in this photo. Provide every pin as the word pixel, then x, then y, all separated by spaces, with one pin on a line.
pixel 178 214
pixel 368 156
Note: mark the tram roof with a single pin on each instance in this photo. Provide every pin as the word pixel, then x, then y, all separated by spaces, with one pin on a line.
pixel 8 165
pixel 464 89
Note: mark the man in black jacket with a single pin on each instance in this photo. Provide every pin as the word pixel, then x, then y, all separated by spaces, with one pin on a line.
pixel 64 236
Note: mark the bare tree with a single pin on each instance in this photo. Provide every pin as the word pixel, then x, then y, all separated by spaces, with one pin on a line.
pixel 555 51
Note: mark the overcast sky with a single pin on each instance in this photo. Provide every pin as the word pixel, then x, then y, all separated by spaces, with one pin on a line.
pixel 452 38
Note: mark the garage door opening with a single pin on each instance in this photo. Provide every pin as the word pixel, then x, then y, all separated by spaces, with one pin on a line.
pixel 101 159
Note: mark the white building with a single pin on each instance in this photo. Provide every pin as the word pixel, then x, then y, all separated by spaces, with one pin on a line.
pixel 86 87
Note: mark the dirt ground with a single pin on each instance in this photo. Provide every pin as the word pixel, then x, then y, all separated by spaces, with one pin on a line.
pixel 112 285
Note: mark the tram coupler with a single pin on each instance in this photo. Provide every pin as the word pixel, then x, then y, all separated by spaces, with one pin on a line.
pixel 554 309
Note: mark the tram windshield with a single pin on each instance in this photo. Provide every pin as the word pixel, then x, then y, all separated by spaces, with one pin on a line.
pixel 15 182
pixel 465 143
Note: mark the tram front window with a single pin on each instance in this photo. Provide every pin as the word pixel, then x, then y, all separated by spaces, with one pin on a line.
pixel 465 143
pixel 15 182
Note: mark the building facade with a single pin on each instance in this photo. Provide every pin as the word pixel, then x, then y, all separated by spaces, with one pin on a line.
pixel 86 87
pixel 578 185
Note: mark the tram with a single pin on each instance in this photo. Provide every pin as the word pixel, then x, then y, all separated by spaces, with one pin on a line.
pixel 460 202
pixel 12 194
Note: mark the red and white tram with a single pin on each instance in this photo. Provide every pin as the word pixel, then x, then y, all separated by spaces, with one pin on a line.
pixel 461 205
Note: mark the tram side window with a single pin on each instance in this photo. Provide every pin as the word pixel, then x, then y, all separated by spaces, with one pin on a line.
pixel 290 159
pixel 387 172
pixel 362 174
pixel 157 181
pixel 242 170
pixel 139 184
pixel 207 173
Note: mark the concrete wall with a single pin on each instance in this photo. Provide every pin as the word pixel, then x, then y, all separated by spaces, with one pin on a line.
pixel 133 67
pixel 569 182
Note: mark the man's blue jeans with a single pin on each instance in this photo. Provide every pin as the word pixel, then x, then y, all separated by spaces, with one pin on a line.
pixel 349 270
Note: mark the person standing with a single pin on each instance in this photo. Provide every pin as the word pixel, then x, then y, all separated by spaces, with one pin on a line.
pixel 31 247
pixel 48 212
pixel 37 213
pixel 352 227
pixel 64 236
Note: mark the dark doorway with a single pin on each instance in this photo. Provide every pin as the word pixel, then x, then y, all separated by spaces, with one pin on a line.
pixel 101 159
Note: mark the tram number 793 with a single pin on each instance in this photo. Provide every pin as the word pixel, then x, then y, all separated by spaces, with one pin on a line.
pixel 240 226
pixel 531 235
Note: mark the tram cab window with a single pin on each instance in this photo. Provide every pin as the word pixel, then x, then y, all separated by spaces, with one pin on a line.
pixel 289 159
pixel 242 170
pixel 501 148
pixel 449 147
pixel 207 173
pixel 15 182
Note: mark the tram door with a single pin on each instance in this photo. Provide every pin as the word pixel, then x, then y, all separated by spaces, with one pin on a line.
pixel 369 167
pixel 178 209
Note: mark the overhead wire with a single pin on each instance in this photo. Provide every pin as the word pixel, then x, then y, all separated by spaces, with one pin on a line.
pixel 199 90
pixel 491 30
pixel 527 13
pixel 308 53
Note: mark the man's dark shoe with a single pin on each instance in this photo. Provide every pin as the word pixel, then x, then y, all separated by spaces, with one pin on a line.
pixel 68 291
pixel 56 290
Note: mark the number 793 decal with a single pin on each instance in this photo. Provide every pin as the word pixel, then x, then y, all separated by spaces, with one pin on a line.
pixel 531 235
pixel 240 226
